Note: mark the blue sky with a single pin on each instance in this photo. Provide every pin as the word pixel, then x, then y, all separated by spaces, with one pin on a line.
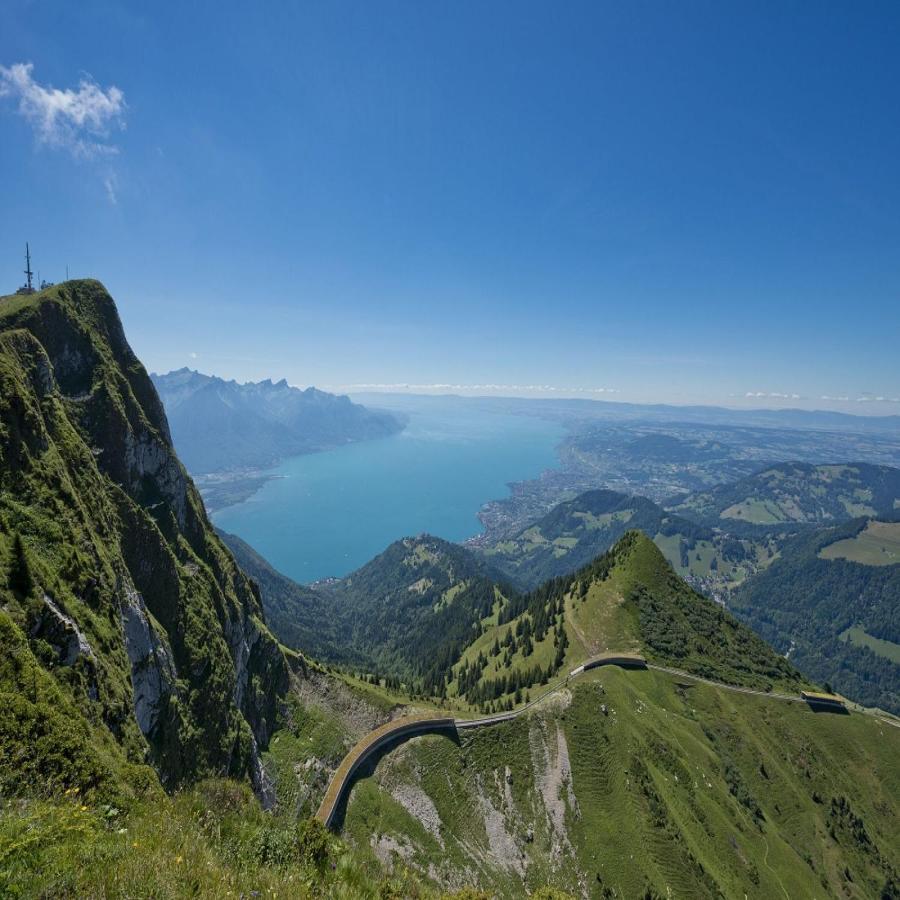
pixel 692 202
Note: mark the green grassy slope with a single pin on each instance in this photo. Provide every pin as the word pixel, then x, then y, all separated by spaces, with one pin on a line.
pixel 878 544
pixel 633 785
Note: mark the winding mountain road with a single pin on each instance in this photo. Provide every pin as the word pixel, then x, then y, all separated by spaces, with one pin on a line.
pixel 412 726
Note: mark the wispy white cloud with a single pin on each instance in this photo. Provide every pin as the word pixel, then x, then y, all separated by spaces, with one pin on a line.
pixel 771 395
pixel 111 185
pixel 79 120
pixel 827 398
pixel 877 398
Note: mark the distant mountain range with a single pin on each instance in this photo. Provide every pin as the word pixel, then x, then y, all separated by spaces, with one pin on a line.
pixel 621 412
pixel 220 426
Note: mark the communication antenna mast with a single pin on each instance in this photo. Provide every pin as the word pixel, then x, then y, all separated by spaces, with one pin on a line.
pixel 28 272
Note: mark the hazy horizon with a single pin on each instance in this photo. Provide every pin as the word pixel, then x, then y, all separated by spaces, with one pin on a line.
pixel 364 393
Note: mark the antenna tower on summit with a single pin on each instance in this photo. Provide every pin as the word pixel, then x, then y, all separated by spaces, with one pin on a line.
pixel 28 272
pixel 28 287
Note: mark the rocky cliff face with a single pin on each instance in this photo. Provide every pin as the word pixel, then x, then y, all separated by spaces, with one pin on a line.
pixel 107 560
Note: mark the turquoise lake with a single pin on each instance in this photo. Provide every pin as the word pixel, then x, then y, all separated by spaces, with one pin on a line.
pixel 326 514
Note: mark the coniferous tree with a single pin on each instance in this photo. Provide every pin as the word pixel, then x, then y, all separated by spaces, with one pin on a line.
pixel 21 579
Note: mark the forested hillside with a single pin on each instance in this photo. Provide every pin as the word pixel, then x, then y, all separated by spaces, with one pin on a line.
pixel 825 613
pixel 628 599
pixel 300 617
pixel 415 607
pixel 406 615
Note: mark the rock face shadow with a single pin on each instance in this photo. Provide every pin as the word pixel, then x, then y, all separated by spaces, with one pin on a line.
pixel 367 768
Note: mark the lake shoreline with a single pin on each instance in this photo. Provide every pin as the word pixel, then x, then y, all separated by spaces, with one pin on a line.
pixel 324 514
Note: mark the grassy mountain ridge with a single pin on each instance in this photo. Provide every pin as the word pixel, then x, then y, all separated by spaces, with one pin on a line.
pixel 628 599
pixel 792 581
pixel 678 625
